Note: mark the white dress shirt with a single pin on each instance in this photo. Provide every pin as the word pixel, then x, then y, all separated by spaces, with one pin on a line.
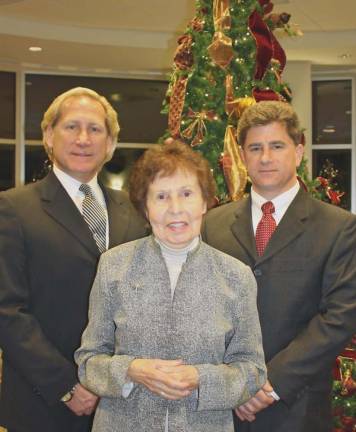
pixel 281 204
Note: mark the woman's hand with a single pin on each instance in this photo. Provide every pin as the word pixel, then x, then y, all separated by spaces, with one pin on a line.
pixel 170 379
pixel 186 374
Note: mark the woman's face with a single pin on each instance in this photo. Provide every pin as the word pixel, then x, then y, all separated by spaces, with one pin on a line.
pixel 175 208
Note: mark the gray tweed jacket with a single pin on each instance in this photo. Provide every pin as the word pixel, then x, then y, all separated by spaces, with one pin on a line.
pixel 212 323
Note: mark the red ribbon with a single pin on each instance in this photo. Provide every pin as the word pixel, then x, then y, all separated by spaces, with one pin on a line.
pixel 264 44
pixel 265 95
pixel 267 48
pixel 267 6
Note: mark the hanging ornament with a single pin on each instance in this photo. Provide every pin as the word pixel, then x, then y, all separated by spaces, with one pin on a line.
pixel 183 57
pixel 176 106
pixel 198 127
pixel 235 172
pixel 277 20
pixel 235 106
pixel 220 50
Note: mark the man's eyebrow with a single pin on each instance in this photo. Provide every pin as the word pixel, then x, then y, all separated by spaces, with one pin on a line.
pixel 276 142
pixel 254 144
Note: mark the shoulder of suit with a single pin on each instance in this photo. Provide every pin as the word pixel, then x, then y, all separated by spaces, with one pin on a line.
pixel 21 193
pixel 327 210
pixel 225 209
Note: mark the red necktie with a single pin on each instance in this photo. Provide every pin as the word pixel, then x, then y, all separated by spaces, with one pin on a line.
pixel 265 227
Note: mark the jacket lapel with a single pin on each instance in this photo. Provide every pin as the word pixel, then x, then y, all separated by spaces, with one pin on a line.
pixel 242 228
pixel 58 205
pixel 290 227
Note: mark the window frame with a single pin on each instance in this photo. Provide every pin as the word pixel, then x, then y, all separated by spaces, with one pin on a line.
pixel 315 147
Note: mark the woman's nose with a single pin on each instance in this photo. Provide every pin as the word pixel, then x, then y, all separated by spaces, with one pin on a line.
pixel 175 205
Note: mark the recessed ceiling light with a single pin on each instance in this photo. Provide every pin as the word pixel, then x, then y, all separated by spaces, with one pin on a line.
pixel 329 129
pixel 35 49
pixel 116 97
pixel 345 56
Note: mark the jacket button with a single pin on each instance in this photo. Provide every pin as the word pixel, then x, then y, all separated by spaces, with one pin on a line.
pixel 257 272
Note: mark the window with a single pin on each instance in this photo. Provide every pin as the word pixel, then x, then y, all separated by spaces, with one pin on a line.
pixel 138 103
pixel 7 129
pixel 332 132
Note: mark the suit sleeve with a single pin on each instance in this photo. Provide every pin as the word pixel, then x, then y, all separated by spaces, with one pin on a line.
pixel 99 369
pixel 22 339
pixel 315 348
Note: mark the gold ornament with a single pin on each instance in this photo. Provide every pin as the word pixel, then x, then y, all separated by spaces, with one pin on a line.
pixel 235 106
pixel 220 50
pixel 235 172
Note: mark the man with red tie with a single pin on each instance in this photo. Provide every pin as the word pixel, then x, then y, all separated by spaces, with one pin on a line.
pixel 303 254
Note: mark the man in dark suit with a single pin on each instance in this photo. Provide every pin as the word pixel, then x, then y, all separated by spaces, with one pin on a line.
pixel 303 254
pixel 48 260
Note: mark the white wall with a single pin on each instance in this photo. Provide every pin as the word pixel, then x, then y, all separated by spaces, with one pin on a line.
pixel 298 76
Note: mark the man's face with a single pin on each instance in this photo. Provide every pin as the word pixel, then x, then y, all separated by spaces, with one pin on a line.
pixel 80 140
pixel 271 159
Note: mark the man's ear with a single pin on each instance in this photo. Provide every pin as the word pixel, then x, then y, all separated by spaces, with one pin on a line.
pixel 299 151
pixel 48 137
pixel 110 147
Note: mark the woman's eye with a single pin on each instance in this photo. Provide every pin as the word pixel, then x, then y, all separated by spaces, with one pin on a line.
pixel 187 193
pixel 161 196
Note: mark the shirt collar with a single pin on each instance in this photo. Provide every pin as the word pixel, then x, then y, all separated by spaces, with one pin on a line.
pixel 281 201
pixel 71 185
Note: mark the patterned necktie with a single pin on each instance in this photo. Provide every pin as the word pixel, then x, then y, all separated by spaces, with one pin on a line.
pixel 265 227
pixel 94 216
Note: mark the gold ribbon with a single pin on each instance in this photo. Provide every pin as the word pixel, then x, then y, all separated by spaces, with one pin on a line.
pixel 235 172
pixel 197 126
pixel 221 15
pixel 220 50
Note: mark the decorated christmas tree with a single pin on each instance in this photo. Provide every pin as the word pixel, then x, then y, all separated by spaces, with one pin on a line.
pixel 227 59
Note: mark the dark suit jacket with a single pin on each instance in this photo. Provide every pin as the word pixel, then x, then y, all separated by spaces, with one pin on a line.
pixel 306 301
pixel 48 260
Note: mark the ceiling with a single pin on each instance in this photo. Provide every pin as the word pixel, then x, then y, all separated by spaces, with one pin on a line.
pixel 139 37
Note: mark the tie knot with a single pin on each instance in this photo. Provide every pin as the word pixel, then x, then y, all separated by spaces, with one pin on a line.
pixel 267 207
pixel 86 189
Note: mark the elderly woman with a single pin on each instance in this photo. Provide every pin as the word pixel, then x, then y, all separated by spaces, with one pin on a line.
pixel 173 340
